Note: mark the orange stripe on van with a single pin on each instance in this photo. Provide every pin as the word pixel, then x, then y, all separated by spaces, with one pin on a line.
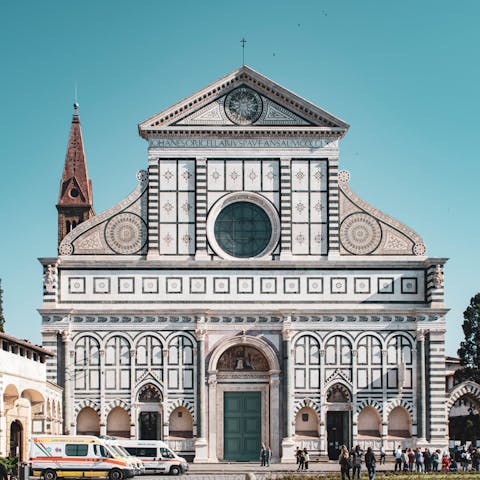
pixel 76 459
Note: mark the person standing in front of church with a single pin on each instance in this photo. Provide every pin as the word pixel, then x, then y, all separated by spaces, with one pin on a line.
pixel 263 456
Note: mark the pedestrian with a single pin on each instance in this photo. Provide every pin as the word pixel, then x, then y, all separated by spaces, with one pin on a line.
pixel 3 472
pixel 370 463
pixel 411 459
pixel 269 455
pixel 383 455
pixel 306 458
pixel 476 460
pixel 357 455
pixel 435 460
pixel 297 455
pixel 398 458
pixel 301 459
pixel 419 460
pixel 263 456
pixel 404 460
pixel 445 463
pixel 427 460
pixel 345 463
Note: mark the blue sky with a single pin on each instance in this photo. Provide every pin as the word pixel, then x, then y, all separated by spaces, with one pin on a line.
pixel 404 75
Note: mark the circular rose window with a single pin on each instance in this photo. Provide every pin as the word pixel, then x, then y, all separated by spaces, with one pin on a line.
pixel 243 225
pixel 243 229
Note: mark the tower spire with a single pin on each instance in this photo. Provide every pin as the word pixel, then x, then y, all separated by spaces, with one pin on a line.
pixel 75 200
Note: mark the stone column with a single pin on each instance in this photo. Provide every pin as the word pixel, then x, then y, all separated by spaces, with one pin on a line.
pixel 69 422
pixel 275 415
pixel 103 417
pixel 421 393
pixel 164 404
pixel 323 414
pixel 212 417
pixel 354 398
pixel 384 433
pixel 133 402
pixel 201 443
pixel 288 445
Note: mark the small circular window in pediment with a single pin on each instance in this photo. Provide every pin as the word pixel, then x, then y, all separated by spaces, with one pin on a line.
pixel 74 193
pixel 243 106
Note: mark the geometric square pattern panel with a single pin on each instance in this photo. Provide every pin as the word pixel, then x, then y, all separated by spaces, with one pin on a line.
pixel 76 285
pixel 338 285
pixel 198 285
pixel 291 285
pixel 385 285
pixel 126 285
pixel 174 285
pixel 315 285
pixel 101 285
pixel 362 285
pixel 409 285
pixel 150 285
pixel 245 285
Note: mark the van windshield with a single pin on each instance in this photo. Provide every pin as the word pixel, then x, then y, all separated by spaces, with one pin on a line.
pixel 166 453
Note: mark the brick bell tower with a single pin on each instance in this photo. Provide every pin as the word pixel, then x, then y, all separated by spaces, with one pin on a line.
pixel 75 201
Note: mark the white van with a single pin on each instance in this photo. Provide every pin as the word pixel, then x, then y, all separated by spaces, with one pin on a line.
pixel 87 456
pixel 119 451
pixel 156 455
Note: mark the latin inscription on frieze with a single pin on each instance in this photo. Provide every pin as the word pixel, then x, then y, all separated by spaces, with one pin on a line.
pixel 239 143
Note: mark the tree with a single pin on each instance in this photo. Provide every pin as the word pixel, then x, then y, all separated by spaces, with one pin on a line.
pixel 469 351
pixel 2 318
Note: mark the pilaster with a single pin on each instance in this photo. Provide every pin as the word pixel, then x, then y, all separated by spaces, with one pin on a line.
pixel 201 443
pixel 285 208
pixel 201 209
pixel 153 209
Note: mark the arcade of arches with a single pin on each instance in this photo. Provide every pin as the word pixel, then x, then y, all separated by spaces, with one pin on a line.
pixel 29 404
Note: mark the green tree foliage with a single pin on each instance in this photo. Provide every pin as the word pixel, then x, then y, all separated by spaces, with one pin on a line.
pixel 469 351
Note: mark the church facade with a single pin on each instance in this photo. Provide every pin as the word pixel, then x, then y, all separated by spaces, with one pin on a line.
pixel 243 293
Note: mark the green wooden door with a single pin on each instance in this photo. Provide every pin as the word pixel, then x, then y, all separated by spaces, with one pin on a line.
pixel 242 426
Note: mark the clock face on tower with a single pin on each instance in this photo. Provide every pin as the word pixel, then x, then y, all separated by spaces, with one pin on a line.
pixel 243 106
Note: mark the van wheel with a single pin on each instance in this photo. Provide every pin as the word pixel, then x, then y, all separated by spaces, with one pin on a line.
pixel 115 474
pixel 175 471
pixel 49 474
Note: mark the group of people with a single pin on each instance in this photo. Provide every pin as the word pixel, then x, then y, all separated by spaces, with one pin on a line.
pixel 265 455
pixel 353 461
pixel 425 461
pixel 303 459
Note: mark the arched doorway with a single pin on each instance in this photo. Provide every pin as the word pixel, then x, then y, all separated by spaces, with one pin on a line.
pixel 88 422
pixel 399 424
pixel 180 424
pixel 150 413
pixel 339 412
pixel 118 423
pixel 463 408
pixel 16 440
pixel 243 397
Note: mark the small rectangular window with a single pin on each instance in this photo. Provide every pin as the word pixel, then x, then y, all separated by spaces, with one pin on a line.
pixel 132 451
pixel 304 417
pixel 146 452
pixel 74 450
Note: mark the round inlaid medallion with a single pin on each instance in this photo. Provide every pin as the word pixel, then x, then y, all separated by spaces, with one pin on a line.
pixel 360 234
pixel 126 233
pixel 243 106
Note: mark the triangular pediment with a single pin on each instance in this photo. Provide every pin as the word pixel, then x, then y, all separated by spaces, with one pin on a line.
pixel 243 99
